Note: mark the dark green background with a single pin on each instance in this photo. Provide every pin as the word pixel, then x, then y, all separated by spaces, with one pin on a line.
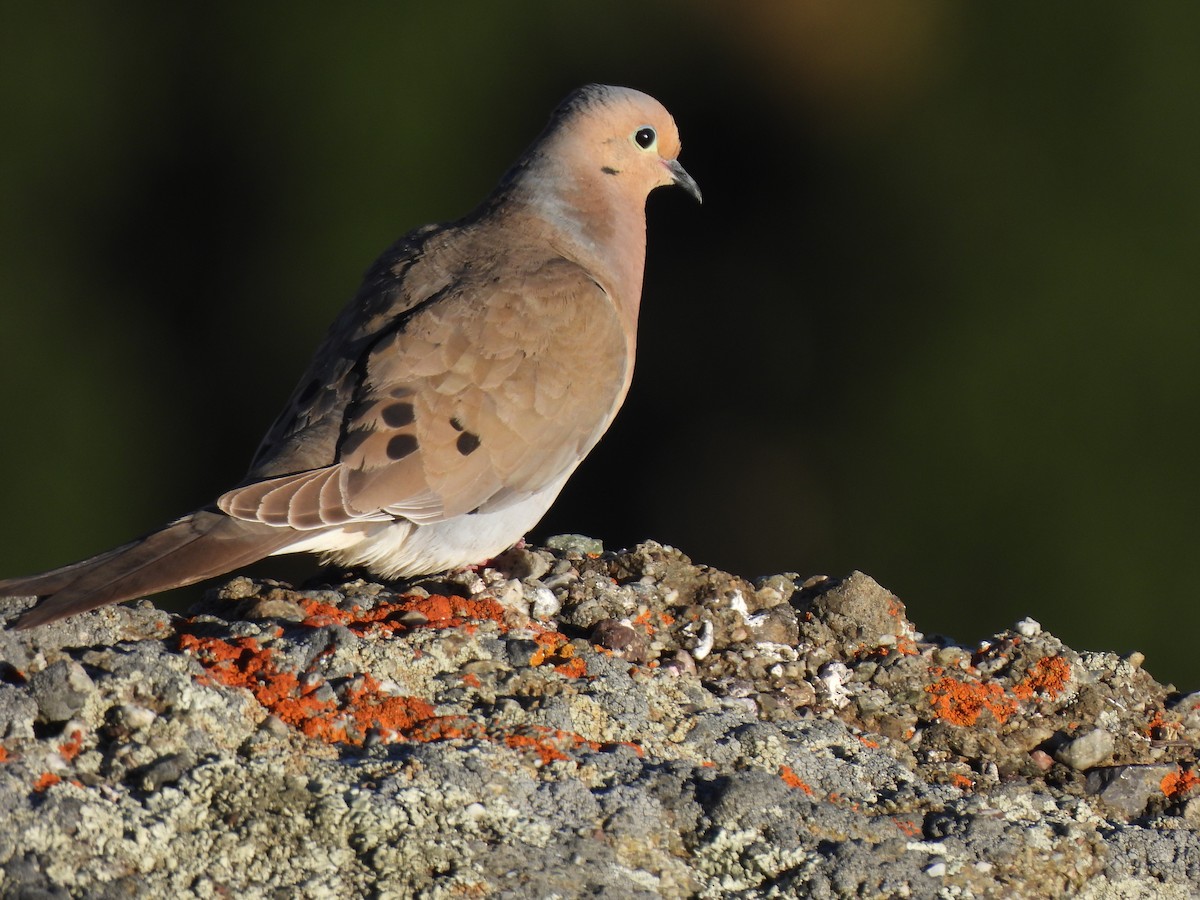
pixel 937 319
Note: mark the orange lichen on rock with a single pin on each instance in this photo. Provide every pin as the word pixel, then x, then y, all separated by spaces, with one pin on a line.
pixel 71 748
pixel 961 703
pixel 1160 727
pixel 791 779
pixel 363 705
pixel 962 782
pixel 907 827
pixel 1176 784
pixel 439 611
pixel 242 663
pixel 572 668
pixel 550 744
pixel 3 754
pixel 1049 677
pixel 556 649
pixel 45 780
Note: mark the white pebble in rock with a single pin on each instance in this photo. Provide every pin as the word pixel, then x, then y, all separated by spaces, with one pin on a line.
pixel 833 677
pixel 1028 628
pixel 1087 750
pixel 704 643
pixel 544 604
pixel 135 717
pixel 575 543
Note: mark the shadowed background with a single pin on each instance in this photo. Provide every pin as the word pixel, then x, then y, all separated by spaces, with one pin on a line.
pixel 936 320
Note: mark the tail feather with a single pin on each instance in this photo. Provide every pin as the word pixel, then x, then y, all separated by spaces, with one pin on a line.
pixel 198 546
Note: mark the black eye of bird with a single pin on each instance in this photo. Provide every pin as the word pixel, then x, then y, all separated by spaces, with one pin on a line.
pixel 645 137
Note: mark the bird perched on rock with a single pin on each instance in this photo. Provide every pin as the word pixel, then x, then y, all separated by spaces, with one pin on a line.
pixel 452 398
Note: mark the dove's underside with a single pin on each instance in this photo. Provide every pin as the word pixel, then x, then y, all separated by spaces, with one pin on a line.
pixel 475 368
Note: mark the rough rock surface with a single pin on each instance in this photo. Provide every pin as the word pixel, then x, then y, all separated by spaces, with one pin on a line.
pixel 570 722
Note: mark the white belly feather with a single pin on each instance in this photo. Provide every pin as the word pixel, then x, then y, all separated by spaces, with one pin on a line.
pixel 399 548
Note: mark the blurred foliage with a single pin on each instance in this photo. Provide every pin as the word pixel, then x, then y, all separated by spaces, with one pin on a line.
pixel 936 319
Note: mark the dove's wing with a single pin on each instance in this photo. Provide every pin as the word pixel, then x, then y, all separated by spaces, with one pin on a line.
pixel 479 398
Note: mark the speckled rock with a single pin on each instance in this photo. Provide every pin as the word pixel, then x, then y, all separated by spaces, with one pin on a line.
pixel 573 722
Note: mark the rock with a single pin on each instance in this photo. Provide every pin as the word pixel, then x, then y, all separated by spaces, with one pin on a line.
pixel 1128 789
pixel 621 638
pixel 578 722
pixel 575 544
pixel 60 690
pixel 1087 750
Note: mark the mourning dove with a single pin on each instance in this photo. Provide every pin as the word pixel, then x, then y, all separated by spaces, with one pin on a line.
pixel 452 398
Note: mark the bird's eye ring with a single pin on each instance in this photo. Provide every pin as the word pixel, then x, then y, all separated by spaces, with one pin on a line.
pixel 645 137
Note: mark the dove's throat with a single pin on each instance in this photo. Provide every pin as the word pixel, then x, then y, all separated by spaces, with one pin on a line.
pixel 589 221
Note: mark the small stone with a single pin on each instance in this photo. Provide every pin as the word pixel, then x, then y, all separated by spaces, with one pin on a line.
pixel 681 664
pixel 776 625
pixel 1028 627
pixel 704 642
pixel 511 595
pixel 575 543
pixel 1188 709
pixel 275 726
pixel 238 588
pixel 165 770
pixel 620 638
pixel 1086 751
pixel 521 652
pixel 60 690
pixel 561 579
pixel 1041 759
pixel 18 712
pixel 523 562
pixel 134 717
pixel 412 618
pixel 833 677
pixel 1128 789
pixel 545 604
pixel 936 869
pixel 272 607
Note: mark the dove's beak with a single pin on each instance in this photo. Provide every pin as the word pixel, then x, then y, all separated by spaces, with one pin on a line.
pixel 683 179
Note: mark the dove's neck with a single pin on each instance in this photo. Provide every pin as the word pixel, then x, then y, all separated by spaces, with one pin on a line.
pixel 589 217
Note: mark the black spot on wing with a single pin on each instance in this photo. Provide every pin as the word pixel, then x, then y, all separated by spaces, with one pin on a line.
pixel 401 446
pixel 455 424
pixel 397 415
pixel 609 170
pixel 467 443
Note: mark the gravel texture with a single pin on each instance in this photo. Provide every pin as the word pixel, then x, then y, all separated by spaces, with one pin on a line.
pixel 571 722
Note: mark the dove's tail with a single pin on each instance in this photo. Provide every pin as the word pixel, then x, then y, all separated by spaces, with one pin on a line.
pixel 198 546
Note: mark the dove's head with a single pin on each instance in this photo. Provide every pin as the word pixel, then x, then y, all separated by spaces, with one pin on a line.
pixel 622 134
pixel 584 182
pixel 604 150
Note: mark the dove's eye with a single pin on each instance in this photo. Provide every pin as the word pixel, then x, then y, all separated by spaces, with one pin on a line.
pixel 645 137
